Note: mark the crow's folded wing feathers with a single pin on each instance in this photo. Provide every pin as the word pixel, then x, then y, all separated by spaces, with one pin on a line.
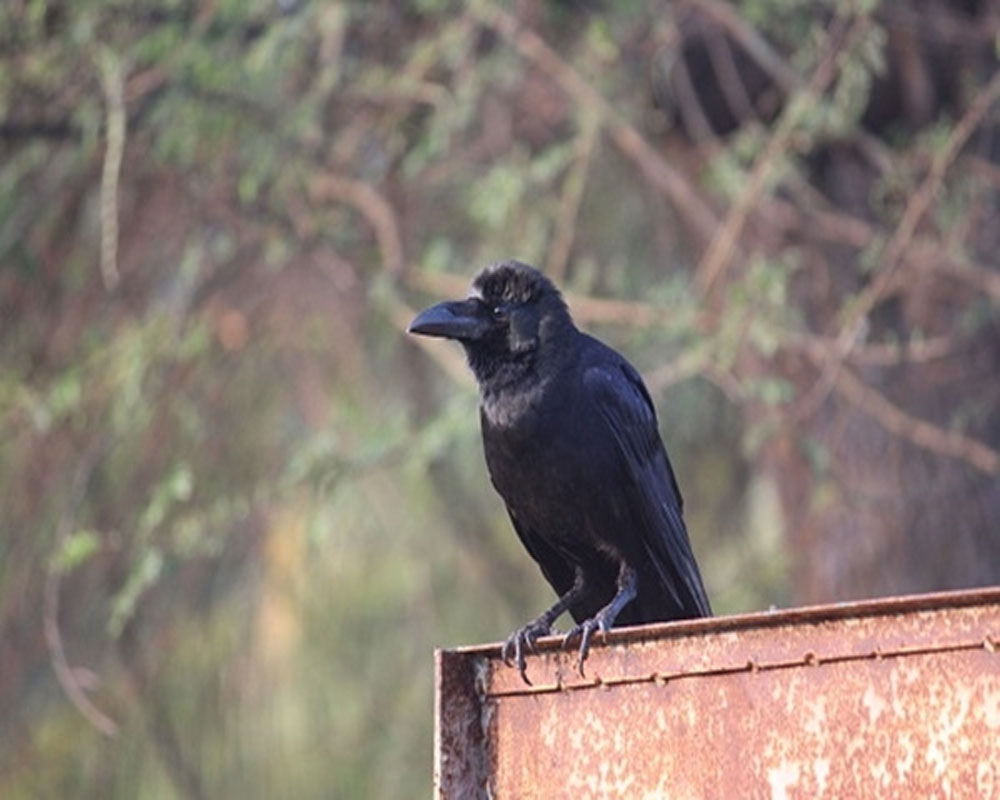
pixel 625 405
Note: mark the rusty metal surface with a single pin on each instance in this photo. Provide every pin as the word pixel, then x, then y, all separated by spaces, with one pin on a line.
pixel 460 725
pixel 896 697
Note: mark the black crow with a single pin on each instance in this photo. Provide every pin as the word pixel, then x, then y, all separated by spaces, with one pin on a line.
pixel 572 446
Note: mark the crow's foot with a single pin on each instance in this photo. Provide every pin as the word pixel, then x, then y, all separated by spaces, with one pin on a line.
pixel 586 630
pixel 524 639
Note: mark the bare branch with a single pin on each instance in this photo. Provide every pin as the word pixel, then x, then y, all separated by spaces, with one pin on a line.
pixel 688 104
pixel 723 59
pixel 686 365
pixel 888 354
pixel 373 206
pixel 985 280
pixel 919 431
pixel 901 423
pixel 723 248
pixel 113 84
pixel 753 44
pixel 919 203
pixel 572 196
pixel 656 169
pixel 65 674
pixel 923 253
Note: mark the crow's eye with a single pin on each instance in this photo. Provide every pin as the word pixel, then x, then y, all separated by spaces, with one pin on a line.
pixel 499 313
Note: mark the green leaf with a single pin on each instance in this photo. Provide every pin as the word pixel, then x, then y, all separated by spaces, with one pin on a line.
pixel 76 549
pixel 143 575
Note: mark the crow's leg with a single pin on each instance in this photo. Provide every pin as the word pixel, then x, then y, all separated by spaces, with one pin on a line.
pixel 524 638
pixel 628 587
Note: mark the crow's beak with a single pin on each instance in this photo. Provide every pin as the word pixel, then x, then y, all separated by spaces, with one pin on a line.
pixel 456 319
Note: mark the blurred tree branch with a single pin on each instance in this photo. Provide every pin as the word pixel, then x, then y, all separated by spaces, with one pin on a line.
pixel 828 359
pixel 112 73
pixel 65 527
pixel 893 257
pixel 750 40
pixel 652 166
pixel 572 195
pixel 724 246
pixel 373 206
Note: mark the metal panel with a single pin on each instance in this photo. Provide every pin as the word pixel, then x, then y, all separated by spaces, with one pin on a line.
pixel 896 697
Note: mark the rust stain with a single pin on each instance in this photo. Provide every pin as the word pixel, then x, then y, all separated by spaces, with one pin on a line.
pixel 867 699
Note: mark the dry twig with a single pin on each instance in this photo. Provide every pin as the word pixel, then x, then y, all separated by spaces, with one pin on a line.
pixel 656 169
pixel 919 203
pixel 918 431
pixel 723 249
pixel 572 196
pixel 113 84
pixel 373 206
pixel 923 253
pixel 753 44
pixel 66 675
pixel 836 376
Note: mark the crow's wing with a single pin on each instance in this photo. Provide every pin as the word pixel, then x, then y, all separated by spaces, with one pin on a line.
pixel 622 400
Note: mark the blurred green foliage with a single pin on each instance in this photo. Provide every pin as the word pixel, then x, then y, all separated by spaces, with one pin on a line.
pixel 241 507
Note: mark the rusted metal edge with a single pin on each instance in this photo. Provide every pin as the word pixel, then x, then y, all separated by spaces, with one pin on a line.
pixel 883 606
pixel 706 647
pixel 988 643
pixel 460 754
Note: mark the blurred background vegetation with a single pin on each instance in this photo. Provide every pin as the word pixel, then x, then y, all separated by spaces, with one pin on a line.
pixel 240 507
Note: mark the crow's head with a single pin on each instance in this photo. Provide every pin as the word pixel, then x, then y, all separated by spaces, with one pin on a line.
pixel 512 312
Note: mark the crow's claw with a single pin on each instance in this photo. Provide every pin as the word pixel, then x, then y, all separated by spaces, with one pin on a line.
pixel 586 630
pixel 520 640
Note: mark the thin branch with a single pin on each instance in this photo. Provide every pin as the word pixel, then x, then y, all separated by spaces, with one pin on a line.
pixel 914 212
pixel 686 365
pixel 826 224
pixel 923 253
pixel 985 170
pixel 410 84
pixel 142 83
pixel 985 280
pixel 871 402
pixel 373 206
pixel 723 248
pixel 113 84
pixel 918 431
pixel 656 169
pixel 727 383
pixel 887 354
pixel 752 43
pixel 65 674
pixel 572 196
pixel 723 60
pixel 402 95
pixel 693 116
pixel 659 172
